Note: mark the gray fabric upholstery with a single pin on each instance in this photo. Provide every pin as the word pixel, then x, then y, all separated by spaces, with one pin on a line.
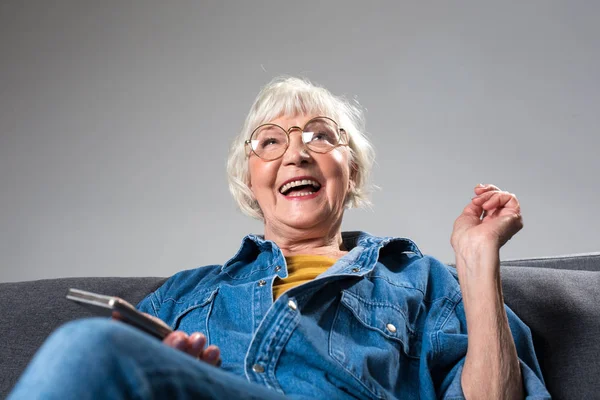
pixel 557 297
pixel 581 262
pixel 30 311
pixel 561 309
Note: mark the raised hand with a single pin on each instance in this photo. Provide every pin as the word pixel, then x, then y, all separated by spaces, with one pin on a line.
pixel 491 369
pixel 491 218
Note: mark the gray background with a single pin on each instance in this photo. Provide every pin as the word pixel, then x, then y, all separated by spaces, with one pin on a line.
pixel 116 117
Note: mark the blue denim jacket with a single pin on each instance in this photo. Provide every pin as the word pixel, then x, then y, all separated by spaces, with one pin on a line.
pixel 383 322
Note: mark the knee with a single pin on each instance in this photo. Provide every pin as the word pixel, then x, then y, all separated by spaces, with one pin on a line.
pixel 83 356
pixel 91 335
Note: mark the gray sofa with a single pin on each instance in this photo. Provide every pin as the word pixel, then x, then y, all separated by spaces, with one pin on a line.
pixel 558 297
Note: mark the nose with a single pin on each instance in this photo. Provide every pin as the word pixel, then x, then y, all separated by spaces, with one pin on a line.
pixel 296 153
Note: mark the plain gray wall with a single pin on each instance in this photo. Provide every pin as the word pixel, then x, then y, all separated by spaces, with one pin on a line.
pixel 116 117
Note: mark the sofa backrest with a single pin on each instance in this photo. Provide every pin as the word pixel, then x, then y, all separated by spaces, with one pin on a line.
pixel 556 297
pixel 559 298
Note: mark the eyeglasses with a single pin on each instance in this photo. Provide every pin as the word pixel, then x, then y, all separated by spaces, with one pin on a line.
pixel 320 135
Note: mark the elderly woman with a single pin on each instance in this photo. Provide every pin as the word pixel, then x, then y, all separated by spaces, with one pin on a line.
pixel 306 310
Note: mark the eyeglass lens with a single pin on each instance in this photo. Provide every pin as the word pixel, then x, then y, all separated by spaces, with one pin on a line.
pixel 271 141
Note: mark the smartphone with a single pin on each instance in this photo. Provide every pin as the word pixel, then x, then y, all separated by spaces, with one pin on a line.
pixel 109 305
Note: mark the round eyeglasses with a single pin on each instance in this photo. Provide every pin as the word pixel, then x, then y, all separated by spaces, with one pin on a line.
pixel 320 135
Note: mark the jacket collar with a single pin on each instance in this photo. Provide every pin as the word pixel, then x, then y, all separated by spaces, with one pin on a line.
pixel 254 247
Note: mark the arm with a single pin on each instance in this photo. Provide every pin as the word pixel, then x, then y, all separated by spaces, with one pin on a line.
pixel 491 368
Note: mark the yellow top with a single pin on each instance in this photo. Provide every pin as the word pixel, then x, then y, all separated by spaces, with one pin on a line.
pixel 301 269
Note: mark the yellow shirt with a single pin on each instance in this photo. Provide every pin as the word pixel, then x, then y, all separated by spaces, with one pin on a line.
pixel 301 269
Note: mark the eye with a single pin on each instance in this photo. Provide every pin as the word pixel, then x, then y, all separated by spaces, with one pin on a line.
pixel 267 142
pixel 322 136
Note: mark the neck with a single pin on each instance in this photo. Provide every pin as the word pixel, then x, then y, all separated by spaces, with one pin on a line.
pixel 322 242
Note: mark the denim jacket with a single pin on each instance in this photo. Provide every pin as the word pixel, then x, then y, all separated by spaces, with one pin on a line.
pixel 383 322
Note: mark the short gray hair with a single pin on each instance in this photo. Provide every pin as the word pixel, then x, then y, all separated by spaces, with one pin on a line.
pixel 295 96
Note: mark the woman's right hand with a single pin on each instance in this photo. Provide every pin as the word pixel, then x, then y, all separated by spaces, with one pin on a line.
pixel 191 344
pixel 194 346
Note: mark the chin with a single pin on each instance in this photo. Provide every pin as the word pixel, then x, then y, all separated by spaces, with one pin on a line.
pixel 303 221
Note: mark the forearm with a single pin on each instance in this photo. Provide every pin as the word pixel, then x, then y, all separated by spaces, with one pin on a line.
pixel 491 369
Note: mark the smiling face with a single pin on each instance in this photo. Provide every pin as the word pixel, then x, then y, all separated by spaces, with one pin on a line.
pixel 303 190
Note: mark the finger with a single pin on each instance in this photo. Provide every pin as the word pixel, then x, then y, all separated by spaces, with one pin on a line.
pixel 477 204
pixel 475 207
pixel 472 209
pixel 494 202
pixel 483 197
pixel 211 355
pixel 502 200
pixel 497 200
pixel 177 340
pixel 482 188
pixel 197 342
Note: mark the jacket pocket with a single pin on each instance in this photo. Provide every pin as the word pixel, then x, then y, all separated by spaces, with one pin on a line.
pixel 373 342
pixel 192 316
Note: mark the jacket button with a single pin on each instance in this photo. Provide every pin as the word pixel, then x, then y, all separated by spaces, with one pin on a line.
pixel 292 305
pixel 259 369
pixel 277 268
pixel 262 282
pixel 391 328
pixel 355 269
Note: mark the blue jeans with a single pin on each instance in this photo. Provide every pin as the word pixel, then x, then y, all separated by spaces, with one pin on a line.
pixel 99 358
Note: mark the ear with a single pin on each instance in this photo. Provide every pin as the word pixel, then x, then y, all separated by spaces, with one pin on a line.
pixel 250 191
pixel 353 175
pixel 248 181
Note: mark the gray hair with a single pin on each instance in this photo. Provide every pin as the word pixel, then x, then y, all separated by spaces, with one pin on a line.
pixel 294 96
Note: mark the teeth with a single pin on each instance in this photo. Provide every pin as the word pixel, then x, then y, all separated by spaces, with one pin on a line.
pixel 292 184
pixel 300 194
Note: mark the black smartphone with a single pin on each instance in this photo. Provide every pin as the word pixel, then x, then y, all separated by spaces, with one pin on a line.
pixel 109 305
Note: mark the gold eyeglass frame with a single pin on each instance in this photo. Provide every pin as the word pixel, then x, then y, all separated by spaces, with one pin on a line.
pixel 341 132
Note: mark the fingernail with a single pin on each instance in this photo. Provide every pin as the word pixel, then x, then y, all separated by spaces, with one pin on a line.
pixel 480 185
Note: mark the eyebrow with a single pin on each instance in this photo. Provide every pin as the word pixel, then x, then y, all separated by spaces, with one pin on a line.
pixel 270 127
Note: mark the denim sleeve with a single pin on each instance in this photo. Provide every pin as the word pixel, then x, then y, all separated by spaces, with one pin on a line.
pixel 449 348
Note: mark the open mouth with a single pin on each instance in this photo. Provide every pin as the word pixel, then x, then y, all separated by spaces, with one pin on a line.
pixel 300 188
